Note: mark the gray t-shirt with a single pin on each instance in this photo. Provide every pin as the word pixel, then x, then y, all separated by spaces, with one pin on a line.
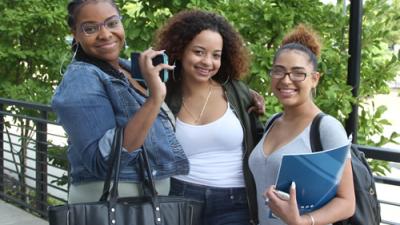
pixel 265 168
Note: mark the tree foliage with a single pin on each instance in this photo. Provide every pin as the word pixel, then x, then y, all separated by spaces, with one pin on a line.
pixel 33 32
pixel 32 46
pixel 263 24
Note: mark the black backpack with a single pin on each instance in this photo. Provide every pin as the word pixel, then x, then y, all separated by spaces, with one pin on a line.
pixel 368 210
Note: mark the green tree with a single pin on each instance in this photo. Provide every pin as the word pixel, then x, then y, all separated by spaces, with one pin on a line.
pixel 32 46
pixel 33 32
pixel 263 24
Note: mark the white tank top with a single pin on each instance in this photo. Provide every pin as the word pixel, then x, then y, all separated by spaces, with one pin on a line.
pixel 214 150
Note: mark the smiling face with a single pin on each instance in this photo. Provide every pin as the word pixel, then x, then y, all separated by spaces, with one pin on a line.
pixel 294 93
pixel 105 44
pixel 201 58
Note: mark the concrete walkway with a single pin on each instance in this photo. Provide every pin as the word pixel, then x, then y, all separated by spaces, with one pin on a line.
pixel 11 215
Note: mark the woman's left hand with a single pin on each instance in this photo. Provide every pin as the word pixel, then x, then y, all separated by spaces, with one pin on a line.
pixel 258 104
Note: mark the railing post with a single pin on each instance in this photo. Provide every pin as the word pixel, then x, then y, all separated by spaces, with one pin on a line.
pixel 353 74
pixel 2 184
pixel 41 164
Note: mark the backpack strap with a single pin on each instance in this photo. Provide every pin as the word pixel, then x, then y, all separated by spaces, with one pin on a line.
pixel 271 121
pixel 315 137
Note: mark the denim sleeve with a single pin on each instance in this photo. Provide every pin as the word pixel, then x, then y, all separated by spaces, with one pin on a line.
pixel 84 110
pixel 105 147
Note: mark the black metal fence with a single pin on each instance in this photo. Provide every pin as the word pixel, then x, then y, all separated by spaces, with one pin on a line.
pixel 32 157
pixel 389 155
pixel 33 164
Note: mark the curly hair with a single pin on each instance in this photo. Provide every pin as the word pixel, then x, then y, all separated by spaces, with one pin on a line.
pixel 183 27
pixel 302 38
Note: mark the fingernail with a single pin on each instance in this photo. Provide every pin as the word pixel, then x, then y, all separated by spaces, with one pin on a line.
pixel 266 201
pixel 293 185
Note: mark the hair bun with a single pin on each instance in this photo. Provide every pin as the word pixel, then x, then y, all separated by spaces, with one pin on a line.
pixel 305 36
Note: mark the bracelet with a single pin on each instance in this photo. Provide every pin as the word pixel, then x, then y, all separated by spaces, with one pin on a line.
pixel 312 219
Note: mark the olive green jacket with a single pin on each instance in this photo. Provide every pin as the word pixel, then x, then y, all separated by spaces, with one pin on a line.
pixel 240 100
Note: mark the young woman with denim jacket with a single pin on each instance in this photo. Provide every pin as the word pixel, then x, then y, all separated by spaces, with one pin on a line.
pixel 211 107
pixel 97 94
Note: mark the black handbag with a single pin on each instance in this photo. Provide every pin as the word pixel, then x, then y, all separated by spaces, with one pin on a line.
pixel 150 209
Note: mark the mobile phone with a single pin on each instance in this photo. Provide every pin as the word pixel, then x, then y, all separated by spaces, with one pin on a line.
pixel 137 75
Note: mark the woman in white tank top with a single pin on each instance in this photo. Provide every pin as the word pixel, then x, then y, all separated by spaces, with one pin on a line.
pixel 213 123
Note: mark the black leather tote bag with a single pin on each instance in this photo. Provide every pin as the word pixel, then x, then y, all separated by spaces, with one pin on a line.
pixel 150 209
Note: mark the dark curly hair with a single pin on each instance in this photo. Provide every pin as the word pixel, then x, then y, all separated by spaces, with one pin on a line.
pixel 302 38
pixel 183 27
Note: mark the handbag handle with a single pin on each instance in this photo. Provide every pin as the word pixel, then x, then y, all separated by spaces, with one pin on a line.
pixel 114 169
pixel 115 155
pixel 146 170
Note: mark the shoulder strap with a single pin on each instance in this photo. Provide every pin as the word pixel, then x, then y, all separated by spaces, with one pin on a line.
pixel 271 121
pixel 315 137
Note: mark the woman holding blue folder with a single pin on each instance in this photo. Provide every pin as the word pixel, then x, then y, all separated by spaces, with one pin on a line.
pixel 294 78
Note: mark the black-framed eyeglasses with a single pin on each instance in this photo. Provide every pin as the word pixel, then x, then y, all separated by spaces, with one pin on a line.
pixel 296 76
pixel 110 24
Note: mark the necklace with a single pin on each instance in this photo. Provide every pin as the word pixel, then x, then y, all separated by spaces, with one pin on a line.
pixel 196 120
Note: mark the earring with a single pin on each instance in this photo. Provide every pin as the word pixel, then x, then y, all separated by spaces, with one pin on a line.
pixel 125 44
pixel 228 78
pixel 62 63
pixel 76 46
pixel 314 92
pixel 177 68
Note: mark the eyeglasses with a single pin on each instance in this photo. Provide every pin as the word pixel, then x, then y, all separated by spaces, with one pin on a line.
pixel 111 24
pixel 296 76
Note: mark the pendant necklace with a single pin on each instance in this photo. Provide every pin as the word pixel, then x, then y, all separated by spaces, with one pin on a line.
pixel 196 120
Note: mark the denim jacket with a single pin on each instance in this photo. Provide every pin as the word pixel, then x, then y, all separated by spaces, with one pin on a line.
pixel 89 104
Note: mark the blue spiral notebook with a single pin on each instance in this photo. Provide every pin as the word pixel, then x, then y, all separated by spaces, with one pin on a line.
pixel 317 176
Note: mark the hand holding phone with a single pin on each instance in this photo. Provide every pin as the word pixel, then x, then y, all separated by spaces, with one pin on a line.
pixel 137 75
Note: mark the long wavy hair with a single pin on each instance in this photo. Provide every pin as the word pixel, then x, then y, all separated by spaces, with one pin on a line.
pixel 183 27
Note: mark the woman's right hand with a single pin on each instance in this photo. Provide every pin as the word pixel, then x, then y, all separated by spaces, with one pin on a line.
pixel 285 209
pixel 157 89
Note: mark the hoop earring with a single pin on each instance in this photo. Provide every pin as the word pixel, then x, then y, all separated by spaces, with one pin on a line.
pixel 62 63
pixel 177 65
pixel 228 78
pixel 76 50
pixel 65 57
pixel 125 44
pixel 313 92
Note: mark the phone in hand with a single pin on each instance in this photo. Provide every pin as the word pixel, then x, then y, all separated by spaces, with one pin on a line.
pixel 137 75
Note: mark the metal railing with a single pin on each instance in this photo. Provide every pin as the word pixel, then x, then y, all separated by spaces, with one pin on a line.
pixel 27 180
pixel 30 147
pixel 388 155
